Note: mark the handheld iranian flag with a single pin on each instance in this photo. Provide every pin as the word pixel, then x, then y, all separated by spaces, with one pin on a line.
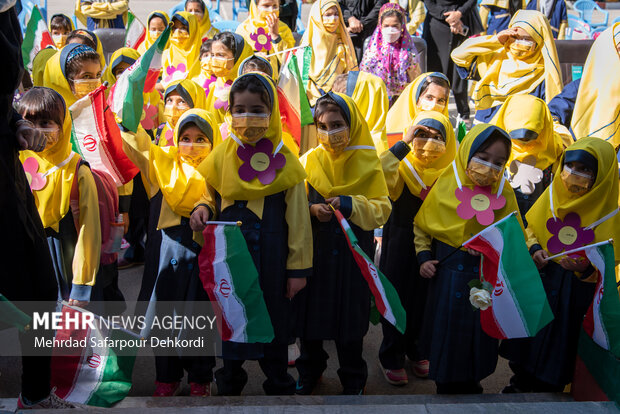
pixel 230 278
pixel 519 306
pixel 136 32
pixel 12 316
pixel 127 95
pixel 94 369
pixel 36 39
pixel 97 138
pixel 294 106
pixel 386 298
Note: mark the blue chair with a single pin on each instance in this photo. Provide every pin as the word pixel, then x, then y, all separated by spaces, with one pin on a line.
pixel 226 25
pixel 616 20
pixel 239 6
pixel 299 24
pixel 586 9
pixel 577 25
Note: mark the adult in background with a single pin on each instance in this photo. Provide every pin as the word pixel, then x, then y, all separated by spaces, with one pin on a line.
pixel 27 272
pixel 361 17
pixel 106 14
pixel 448 23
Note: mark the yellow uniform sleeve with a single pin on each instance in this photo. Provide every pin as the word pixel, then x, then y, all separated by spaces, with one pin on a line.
pixel 88 247
pixel 368 214
pixel 484 16
pixel 137 147
pixel 417 14
pixel 530 238
pixel 393 179
pixel 300 250
pixel 104 10
pixel 473 48
pixel 421 240
pixel 562 30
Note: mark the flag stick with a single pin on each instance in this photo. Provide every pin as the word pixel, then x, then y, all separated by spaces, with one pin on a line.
pixel 288 50
pixel 610 241
pixel 224 223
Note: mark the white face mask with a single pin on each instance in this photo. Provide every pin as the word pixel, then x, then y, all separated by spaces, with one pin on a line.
pixel 154 33
pixel 428 105
pixel 390 34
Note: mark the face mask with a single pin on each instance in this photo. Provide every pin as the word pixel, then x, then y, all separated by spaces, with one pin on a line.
pixel 154 34
pixel 428 150
pixel 334 141
pixel 199 15
pixel 51 135
pixel 576 182
pixel 428 105
pixel 59 40
pixel 483 173
pixel 390 34
pixel 194 153
pixel 263 13
pixel 179 37
pixel 250 127
pixel 173 113
pixel 521 49
pixel 331 23
pixel 82 87
pixel 219 66
pixel 205 65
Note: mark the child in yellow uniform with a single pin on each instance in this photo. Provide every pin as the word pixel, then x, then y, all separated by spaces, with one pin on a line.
pixel 179 97
pixel 157 23
pixel 181 59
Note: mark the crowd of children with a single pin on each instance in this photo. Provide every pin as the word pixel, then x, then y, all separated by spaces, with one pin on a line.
pixel 382 151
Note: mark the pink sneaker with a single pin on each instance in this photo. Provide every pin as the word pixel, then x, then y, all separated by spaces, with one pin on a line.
pixel 420 368
pixel 167 389
pixel 200 390
pixel 395 376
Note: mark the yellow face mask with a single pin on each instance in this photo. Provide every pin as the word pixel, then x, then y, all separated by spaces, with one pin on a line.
pixel 250 127
pixel 179 37
pixel 428 150
pixel 60 40
pixel 430 105
pixel 334 141
pixel 330 23
pixel 263 13
pixel 51 135
pixel 220 66
pixel 483 173
pixel 576 182
pixel 205 66
pixel 154 34
pixel 173 113
pixel 193 153
pixel 82 87
pixel 522 49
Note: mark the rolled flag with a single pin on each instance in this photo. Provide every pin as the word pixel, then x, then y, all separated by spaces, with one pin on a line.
pixel 136 32
pixel 37 38
pixel 294 106
pixel 96 370
pixel 229 276
pixel 519 307
pixel 97 138
pixel 12 316
pixel 126 96
pixel 387 300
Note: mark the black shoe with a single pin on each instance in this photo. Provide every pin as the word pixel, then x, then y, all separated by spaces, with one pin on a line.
pixel 229 383
pixel 305 386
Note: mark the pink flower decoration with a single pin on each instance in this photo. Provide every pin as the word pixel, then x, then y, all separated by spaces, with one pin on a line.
pixel 206 85
pixel 35 178
pixel 567 234
pixel 172 70
pixel 169 136
pixel 150 113
pixel 221 96
pixel 479 202
pixel 260 162
pixel 262 41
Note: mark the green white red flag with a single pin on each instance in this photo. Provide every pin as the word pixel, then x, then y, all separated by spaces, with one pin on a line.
pixel 294 106
pixel 230 278
pixel 94 374
pixel 12 316
pixel 127 95
pixel 37 38
pixel 97 138
pixel 136 32
pixel 387 300
pixel 519 303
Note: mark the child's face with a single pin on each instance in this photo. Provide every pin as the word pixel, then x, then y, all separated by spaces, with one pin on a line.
pixel 48 127
pixel 120 68
pixel 428 145
pixel 195 9
pixel 157 25
pixel 333 131
pixel 175 106
pixel 577 177
pixel 223 59
pixel 249 102
pixel 391 22
pixel 434 98
pixel 192 134
pixel 495 154
pixel 268 7
pixel 87 79
pixel 59 32
pixel 194 146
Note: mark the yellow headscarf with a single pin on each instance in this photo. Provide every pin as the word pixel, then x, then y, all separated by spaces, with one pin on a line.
pixel 219 89
pixel 149 40
pixel 124 54
pixel 356 171
pixel 597 111
pixel 405 109
pixel 438 215
pixel 180 183
pixel 221 168
pixel 60 163
pixel 427 173
pixel 193 94
pixel 521 114
pixel 502 76
pixel 189 54
pixel 204 25
pixel 370 95
pixel 39 63
pixel 254 21
pixel 601 200
pixel 332 53
pixel 54 76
